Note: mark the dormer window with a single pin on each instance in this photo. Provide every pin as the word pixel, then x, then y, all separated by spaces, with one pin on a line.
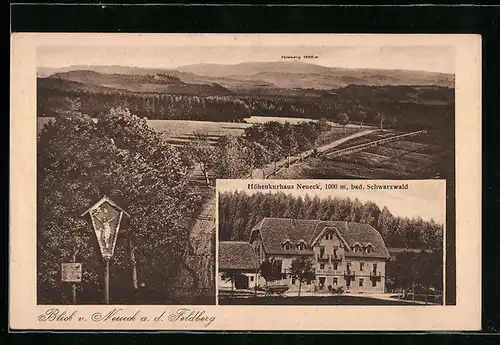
pixel 329 235
pixel 301 245
pixel 356 247
pixel 368 248
pixel 287 245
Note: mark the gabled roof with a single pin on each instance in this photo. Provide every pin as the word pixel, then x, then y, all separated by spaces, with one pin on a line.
pixel 102 201
pixel 274 230
pixel 236 255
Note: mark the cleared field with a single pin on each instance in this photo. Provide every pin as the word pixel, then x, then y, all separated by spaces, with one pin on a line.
pixel 182 130
pixel 417 157
pixel 406 145
pixel 263 119
pixel 336 133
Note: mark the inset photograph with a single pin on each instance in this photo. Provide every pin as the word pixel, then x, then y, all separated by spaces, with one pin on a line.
pixel 331 242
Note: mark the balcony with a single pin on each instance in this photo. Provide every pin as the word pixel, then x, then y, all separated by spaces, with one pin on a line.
pixel 375 276
pixel 350 273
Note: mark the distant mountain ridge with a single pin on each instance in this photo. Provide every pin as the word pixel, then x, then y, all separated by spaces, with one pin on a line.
pixel 157 83
pixel 304 75
pixel 285 74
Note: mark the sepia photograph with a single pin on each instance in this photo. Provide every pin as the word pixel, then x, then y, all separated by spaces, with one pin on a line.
pixel 152 129
pixel 173 177
pixel 280 112
pixel 341 243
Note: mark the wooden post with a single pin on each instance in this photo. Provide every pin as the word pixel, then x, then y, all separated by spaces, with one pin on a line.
pixel 256 282
pixel 73 285
pixel 135 284
pixel 106 280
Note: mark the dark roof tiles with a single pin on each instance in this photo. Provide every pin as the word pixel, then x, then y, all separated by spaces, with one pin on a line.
pixel 275 230
pixel 236 255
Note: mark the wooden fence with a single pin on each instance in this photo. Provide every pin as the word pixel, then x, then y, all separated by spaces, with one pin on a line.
pixel 423 298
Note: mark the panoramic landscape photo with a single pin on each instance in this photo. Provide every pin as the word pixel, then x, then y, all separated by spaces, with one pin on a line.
pixel 152 128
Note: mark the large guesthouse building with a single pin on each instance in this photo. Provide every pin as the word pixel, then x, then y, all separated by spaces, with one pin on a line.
pixel 344 254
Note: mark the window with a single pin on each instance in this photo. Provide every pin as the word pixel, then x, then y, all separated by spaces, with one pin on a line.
pixel 293 280
pixel 335 252
pixel 321 252
pixel 301 246
pixel 374 268
pixel 287 245
pixel 360 282
pixel 348 266
pixel 321 266
pixel 335 266
pixel 369 249
pixel 330 236
pixel 374 282
pixel 252 278
pixel 357 247
pixel 335 281
pixel 361 266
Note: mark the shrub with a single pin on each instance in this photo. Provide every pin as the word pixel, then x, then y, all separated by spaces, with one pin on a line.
pixel 276 290
pixel 337 291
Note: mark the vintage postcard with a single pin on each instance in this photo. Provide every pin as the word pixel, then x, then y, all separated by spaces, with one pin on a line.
pixel 245 182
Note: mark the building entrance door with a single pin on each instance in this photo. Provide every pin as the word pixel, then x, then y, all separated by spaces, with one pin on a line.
pixel 241 281
pixel 322 283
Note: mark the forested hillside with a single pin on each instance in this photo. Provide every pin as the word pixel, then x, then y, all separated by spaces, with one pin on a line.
pixel 405 107
pixel 55 97
pixel 239 212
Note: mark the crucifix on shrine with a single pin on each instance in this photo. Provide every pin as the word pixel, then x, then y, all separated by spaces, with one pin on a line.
pixel 106 217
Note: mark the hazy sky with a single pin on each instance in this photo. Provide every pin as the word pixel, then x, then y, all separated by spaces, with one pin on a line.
pixel 424 58
pixel 424 198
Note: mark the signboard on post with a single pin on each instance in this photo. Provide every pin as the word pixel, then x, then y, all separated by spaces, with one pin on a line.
pixel 71 272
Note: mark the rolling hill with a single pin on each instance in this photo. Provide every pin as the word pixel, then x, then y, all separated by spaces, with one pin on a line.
pixel 158 83
pixel 186 77
pixel 246 77
pixel 288 74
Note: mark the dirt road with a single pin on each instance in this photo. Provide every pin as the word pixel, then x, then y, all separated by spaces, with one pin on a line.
pixel 274 168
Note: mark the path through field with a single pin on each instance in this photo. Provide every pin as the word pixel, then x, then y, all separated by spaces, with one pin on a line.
pixel 274 168
pixel 343 140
